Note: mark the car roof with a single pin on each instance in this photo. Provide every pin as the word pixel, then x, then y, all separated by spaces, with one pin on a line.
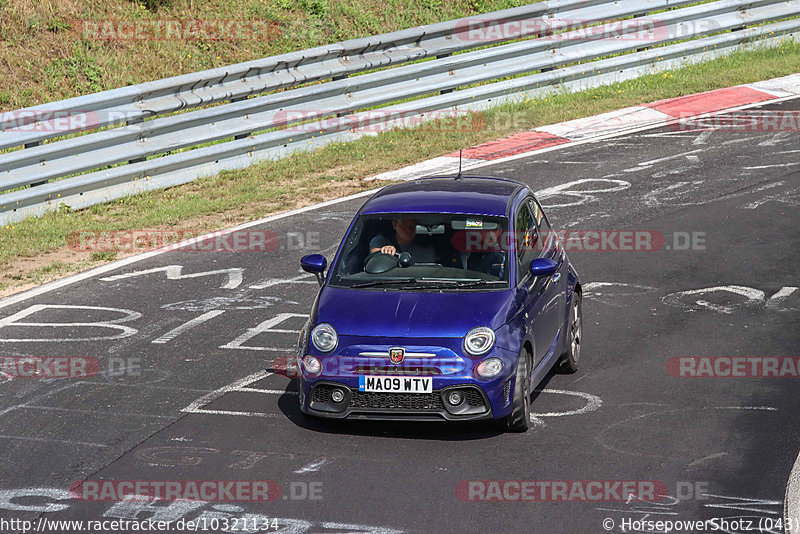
pixel 445 194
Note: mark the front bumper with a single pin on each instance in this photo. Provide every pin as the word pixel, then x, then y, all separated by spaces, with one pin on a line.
pixel 440 359
pixel 396 406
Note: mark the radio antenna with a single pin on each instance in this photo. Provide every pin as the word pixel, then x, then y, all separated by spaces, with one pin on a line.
pixel 459 176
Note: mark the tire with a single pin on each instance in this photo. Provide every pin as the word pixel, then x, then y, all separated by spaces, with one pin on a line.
pixel 519 420
pixel 571 357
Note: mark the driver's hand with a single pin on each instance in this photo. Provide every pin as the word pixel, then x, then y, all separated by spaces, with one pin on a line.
pixel 388 249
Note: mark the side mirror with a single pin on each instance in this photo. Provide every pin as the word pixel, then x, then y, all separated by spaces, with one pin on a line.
pixel 314 263
pixel 543 267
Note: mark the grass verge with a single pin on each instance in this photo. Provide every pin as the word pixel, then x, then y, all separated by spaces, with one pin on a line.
pixel 63 48
pixel 35 250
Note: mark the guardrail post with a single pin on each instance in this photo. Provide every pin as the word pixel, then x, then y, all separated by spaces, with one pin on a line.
pixel 239 99
pixel 336 79
pixel 31 145
pixel 640 15
pixel 445 91
pixel 131 122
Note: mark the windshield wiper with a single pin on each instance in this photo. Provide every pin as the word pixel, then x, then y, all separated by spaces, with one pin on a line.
pixel 387 281
pixel 479 283
pixel 456 284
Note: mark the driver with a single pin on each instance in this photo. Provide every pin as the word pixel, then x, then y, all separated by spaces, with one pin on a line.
pixel 403 240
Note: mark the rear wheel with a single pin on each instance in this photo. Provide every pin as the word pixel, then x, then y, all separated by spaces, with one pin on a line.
pixel 519 420
pixel 571 357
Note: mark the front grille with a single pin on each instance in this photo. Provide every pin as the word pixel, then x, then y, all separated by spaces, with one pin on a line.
pixel 396 370
pixel 473 397
pixel 507 391
pixel 400 401
pixel 322 393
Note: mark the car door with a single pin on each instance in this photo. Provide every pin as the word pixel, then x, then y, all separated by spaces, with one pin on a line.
pixel 529 288
pixel 551 289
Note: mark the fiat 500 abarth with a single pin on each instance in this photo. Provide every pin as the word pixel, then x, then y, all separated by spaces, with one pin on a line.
pixel 448 299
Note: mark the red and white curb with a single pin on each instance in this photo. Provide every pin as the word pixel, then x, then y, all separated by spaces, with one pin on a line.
pixel 614 123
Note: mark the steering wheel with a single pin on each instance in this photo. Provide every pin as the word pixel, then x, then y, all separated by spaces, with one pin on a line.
pixel 379 262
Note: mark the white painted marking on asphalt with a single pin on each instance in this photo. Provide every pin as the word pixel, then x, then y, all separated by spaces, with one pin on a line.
pixel 227 303
pixel 678 299
pixel 93 412
pixel 231 412
pixel 652 162
pixel 633 511
pixel 174 272
pixel 773 166
pixel 756 408
pixel 703 137
pixel 265 328
pixel 113 324
pixel 776 300
pixel 705 459
pixel 742 504
pixel 579 190
pixel 175 332
pixel 678 189
pixel 270 391
pixel 359 529
pixel 613 293
pixel 49 440
pixel 687 132
pixel 775 139
pixel 601 437
pixel 197 406
pixel 140 385
pixel 790 197
pixel 305 278
pixel 312 467
pixel 593 402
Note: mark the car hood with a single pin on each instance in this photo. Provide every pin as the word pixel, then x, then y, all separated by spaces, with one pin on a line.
pixel 359 312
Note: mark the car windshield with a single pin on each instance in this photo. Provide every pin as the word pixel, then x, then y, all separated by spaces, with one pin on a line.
pixel 422 251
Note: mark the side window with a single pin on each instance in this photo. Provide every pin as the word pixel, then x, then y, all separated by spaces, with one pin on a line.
pixel 545 236
pixel 525 239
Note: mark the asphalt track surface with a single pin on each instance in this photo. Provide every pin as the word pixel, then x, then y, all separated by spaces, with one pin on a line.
pixel 207 406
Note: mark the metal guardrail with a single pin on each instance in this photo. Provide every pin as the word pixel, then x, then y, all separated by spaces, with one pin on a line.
pixel 272 126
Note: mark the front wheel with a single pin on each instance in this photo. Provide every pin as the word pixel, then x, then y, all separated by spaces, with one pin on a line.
pixel 519 420
pixel 571 357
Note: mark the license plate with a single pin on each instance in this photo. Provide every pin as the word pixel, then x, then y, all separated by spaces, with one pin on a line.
pixel 394 384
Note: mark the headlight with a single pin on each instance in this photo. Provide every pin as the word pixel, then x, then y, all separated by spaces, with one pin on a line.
pixel 312 365
pixel 489 367
pixel 324 337
pixel 479 341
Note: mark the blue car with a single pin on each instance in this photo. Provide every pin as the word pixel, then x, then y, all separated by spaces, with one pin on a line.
pixel 450 298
